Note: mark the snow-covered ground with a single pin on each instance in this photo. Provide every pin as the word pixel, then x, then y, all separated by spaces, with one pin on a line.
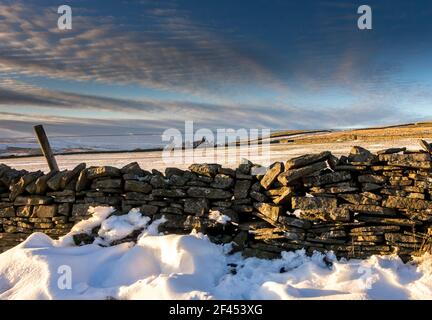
pixel 191 267
pixel 229 157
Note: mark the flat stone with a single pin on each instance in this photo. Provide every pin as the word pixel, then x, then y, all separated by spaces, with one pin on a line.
pixel 270 211
pixel 222 181
pixel 412 157
pixel 361 155
pixel 209 193
pixel 209 170
pixel 294 222
pixel 133 168
pixel 71 175
pixel 7 212
pixel 241 189
pixel 55 181
pixel 369 209
pixel 198 207
pixel 19 187
pixel 271 175
pixel 106 184
pixel 81 209
pixel 23 211
pixel 137 186
pixel 378 230
pixel 306 160
pixel 45 211
pixel 169 193
pixel 83 182
pixel 328 178
pixel 358 199
pixel 32 200
pixel 149 210
pixel 285 196
pixel 391 150
pixel 372 178
pixel 290 176
pixel 305 203
pixel 407 203
pixel 397 237
pixel 257 196
pixel 102 172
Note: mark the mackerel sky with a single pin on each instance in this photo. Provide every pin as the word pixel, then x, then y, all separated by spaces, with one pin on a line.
pixel 145 66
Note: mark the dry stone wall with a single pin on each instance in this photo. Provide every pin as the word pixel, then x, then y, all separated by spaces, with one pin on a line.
pixel 356 205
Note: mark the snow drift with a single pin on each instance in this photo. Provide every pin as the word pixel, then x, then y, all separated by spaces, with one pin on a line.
pixel 191 267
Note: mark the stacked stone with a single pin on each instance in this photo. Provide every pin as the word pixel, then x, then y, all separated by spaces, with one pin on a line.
pixel 358 205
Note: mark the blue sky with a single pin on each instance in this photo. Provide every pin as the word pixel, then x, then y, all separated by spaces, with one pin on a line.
pixel 145 66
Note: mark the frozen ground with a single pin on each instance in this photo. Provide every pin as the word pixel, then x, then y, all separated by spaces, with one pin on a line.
pixel 191 267
pixel 228 157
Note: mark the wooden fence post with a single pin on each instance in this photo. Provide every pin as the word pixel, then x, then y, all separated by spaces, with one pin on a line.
pixel 45 147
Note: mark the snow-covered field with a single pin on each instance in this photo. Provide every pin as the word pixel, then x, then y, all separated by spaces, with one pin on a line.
pixel 229 157
pixel 191 267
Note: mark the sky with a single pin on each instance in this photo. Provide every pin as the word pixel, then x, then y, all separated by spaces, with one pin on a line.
pixel 146 66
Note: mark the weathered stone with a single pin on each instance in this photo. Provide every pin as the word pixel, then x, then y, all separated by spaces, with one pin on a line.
pixel 358 199
pixel 177 180
pixel 169 193
pixel 285 196
pixel 149 210
pixel 198 207
pixel 103 172
pixel 18 188
pixel 101 184
pixel 244 167
pixel 64 209
pixel 159 182
pixel 391 150
pixel 377 230
pixel 171 210
pixel 305 203
pixel 361 155
pixel 271 175
pixel 391 221
pixel 257 196
pixel 328 178
pixel 290 176
pixel 294 222
pixel 45 211
pixel 306 160
pixel 209 193
pixel 133 168
pixel 83 182
pixel 339 214
pixel 372 178
pixel 7 212
pixel 32 200
pixel 71 175
pixel 397 237
pixel 369 209
pixel 81 209
pixel 137 186
pixel 222 181
pixel 138 196
pixel 55 182
pixel 342 187
pixel 407 203
pixel 268 210
pixel 412 157
pixel 227 171
pixel 241 189
pixel 23 211
pixel 205 169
